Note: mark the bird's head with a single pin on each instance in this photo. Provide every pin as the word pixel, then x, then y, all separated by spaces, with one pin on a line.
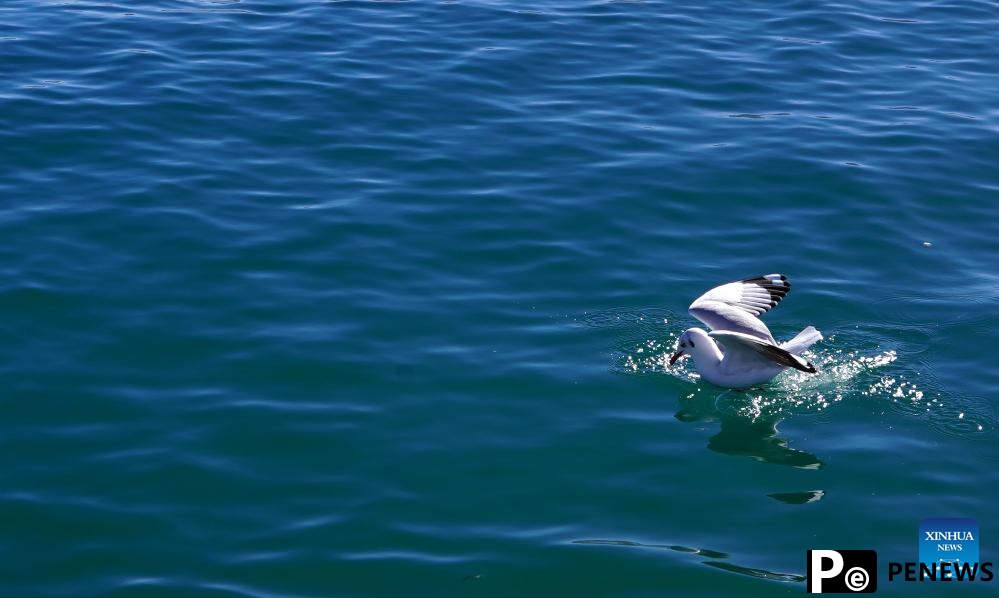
pixel 693 341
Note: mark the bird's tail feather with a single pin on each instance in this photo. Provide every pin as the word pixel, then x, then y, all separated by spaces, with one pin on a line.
pixel 805 339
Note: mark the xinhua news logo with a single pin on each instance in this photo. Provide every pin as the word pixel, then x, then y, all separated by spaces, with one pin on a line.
pixel 948 551
pixel 953 541
pixel 842 571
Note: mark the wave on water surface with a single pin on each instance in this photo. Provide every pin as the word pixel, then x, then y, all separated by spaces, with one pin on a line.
pixel 715 556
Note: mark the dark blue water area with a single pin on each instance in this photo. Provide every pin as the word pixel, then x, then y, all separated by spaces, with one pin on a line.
pixel 377 298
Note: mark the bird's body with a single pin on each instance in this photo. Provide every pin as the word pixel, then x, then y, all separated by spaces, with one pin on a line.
pixel 740 351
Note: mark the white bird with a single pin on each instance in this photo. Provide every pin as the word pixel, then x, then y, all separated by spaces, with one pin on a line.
pixel 740 351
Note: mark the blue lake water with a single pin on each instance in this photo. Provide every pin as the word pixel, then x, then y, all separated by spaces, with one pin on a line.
pixel 376 298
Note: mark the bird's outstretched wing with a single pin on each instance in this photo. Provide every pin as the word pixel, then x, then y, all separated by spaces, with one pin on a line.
pixel 745 351
pixel 735 306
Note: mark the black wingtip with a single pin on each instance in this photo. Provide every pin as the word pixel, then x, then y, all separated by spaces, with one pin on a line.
pixel 776 290
pixel 785 358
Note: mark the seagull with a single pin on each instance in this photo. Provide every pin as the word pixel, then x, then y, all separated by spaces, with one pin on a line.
pixel 740 351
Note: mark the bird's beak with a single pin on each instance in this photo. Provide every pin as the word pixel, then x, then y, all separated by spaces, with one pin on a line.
pixel 675 356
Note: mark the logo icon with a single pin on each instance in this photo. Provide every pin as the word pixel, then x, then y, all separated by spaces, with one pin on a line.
pixel 842 571
pixel 949 545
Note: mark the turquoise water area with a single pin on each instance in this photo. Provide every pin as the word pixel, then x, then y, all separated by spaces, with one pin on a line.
pixel 375 298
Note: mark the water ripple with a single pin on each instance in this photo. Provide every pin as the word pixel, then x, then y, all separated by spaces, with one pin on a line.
pixel 338 298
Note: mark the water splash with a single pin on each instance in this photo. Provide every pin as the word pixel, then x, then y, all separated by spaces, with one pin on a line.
pixel 841 374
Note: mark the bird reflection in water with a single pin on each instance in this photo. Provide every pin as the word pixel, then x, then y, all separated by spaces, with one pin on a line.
pixel 742 436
